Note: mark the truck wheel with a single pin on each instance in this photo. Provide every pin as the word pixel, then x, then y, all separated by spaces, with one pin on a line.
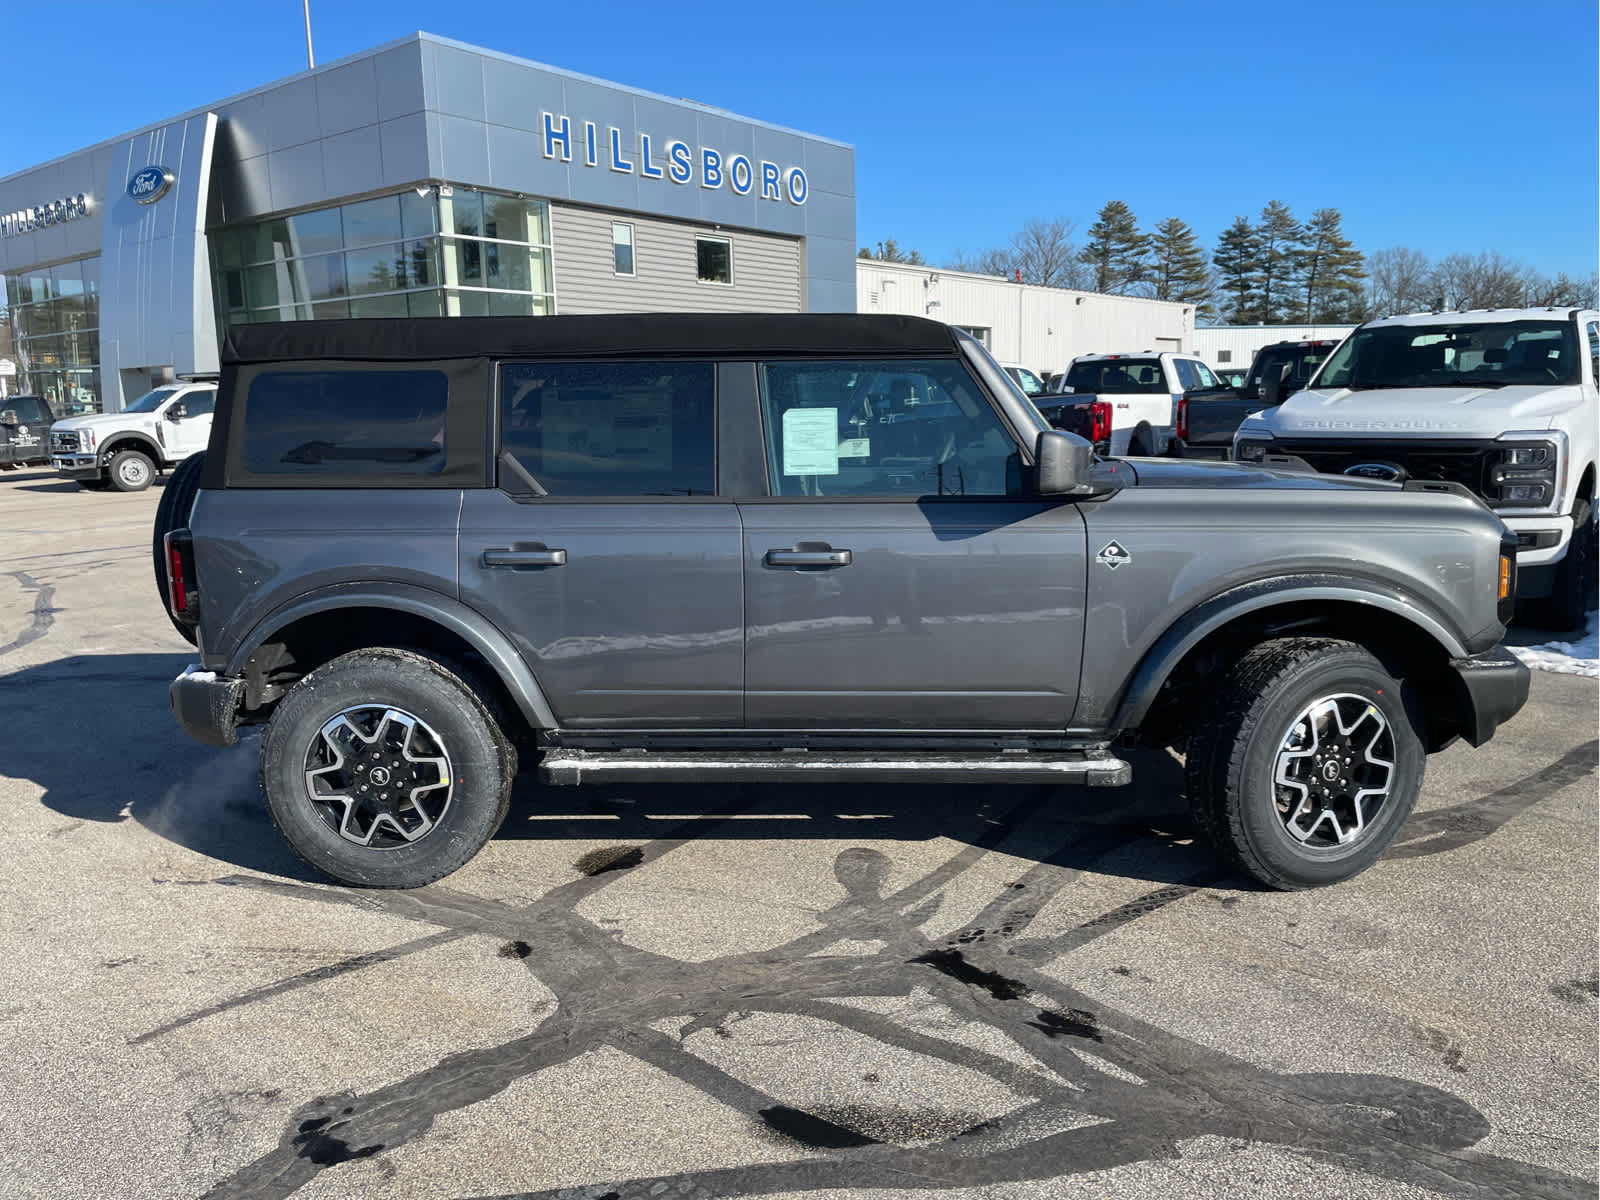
pixel 131 471
pixel 1311 766
pixel 1573 589
pixel 177 498
pixel 384 769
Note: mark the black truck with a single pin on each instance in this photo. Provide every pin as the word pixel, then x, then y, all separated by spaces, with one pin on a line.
pixel 1277 372
pixel 24 431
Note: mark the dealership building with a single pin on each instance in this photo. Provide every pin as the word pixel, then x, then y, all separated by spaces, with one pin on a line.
pixel 423 178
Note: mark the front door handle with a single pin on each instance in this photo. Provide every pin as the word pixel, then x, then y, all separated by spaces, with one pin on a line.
pixel 524 558
pixel 808 558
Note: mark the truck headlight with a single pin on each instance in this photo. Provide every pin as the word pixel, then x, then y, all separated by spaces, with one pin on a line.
pixel 86 439
pixel 1524 474
pixel 1253 449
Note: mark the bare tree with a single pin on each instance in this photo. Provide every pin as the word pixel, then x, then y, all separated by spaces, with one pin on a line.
pixel 1399 278
pixel 1001 262
pixel 1478 281
pixel 1046 254
pixel 1561 292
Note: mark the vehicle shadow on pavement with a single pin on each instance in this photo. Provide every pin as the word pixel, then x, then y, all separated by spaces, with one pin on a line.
pixel 95 732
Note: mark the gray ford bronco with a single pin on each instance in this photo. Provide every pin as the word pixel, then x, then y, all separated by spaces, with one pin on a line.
pixel 801 547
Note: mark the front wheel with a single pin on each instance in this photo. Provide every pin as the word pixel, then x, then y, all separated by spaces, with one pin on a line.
pixel 131 471
pixel 1573 591
pixel 1311 765
pixel 383 768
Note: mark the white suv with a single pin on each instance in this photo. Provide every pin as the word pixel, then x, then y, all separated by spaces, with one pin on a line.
pixel 125 450
pixel 1501 401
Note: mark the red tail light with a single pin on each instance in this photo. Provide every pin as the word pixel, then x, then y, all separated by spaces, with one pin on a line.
pixel 1099 421
pixel 181 593
pixel 1183 419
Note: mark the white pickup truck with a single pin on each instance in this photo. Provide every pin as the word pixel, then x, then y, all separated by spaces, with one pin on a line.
pixel 1501 401
pixel 1136 404
pixel 125 450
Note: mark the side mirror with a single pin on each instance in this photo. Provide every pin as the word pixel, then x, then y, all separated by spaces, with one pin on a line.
pixel 176 411
pixel 1274 383
pixel 1063 462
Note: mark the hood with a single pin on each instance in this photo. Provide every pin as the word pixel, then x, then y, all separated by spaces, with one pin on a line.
pixel 1214 476
pixel 146 421
pixel 1465 412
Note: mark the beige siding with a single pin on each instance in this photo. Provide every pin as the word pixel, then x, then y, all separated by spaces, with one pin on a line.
pixel 767 269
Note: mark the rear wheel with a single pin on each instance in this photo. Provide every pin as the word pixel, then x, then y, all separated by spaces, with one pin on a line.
pixel 177 498
pixel 131 471
pixel 383 768
pixel 1311 766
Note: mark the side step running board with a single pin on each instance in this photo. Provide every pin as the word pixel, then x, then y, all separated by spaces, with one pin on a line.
pixel 1089 769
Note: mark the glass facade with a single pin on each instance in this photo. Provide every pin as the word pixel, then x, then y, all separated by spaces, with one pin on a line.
pixel 55 331
pixel 447 252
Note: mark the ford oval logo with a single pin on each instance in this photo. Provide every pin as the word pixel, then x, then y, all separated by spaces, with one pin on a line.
pixel 149 185
pixel 1377 470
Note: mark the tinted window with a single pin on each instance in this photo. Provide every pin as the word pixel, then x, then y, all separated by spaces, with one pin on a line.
pixel 380 423
pixel 1465 354
pixel 608 429
pixel 1188 379
pixel 1207 379
pixel 28 410
pixel 1122 375
pixel 200 403
pixel 888 428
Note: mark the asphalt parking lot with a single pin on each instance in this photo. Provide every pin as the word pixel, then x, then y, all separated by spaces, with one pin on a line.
pixel 754 991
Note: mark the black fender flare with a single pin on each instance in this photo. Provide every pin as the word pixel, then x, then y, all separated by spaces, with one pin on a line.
pixel 482 635
pixel 1206 618
pixel 141 442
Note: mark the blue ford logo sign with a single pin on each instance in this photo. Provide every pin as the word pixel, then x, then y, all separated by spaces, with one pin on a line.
pixel 1377 470
pixel 149 185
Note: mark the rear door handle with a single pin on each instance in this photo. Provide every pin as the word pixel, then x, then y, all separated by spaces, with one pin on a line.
pixel 808 558
pixel 524 558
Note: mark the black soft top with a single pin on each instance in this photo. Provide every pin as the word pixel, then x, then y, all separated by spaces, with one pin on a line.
pixel 612 335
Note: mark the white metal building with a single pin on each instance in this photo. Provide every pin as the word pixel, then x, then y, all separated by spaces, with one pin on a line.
pixel 1040 327
pixel 1235 345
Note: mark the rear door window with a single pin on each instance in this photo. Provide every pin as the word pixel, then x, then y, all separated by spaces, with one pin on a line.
pixel 353 423
pixel 608 429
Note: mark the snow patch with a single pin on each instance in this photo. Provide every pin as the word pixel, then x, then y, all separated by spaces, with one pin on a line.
pixel 1580 657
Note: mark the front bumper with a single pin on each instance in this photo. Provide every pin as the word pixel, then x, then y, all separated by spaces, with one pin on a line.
pixel 1493 687
pixel 76 466
pixel 207 705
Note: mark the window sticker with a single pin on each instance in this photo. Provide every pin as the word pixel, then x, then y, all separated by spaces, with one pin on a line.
pixel 855 448
pixel 811 441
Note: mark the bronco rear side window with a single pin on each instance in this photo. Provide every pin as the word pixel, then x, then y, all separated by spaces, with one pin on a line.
pixel 345 423
pixel 608 429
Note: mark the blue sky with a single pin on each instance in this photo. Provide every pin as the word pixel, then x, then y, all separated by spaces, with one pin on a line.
pixel 1468 126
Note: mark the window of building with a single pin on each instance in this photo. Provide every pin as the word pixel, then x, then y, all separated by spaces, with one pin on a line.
pixel 451 252
pixel 1224 356
pixel 622 248
pixel 981 332
pixel 379 423
pixel 714 257
pixel 608 429
pixel 55 332
pixel 890 428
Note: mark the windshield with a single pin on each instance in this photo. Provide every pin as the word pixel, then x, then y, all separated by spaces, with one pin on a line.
pixel 1105 376
pixel 151 401
pixel 1473 354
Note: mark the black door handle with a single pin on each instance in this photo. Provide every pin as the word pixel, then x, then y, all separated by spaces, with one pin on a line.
pixel 808 558
pixel 524 558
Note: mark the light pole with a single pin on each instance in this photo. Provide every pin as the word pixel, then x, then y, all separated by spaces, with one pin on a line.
pixel 310 61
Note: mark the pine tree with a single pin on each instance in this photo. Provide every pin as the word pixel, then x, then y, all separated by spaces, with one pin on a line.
pixel 1116 250
pixel 1331 270
pixel 1280 235
pixel 1238 258
pixel 1178 267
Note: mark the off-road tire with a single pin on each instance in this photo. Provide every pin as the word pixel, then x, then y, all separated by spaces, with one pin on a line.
pixel 129 462
pixel 482 762
pixel 177 498
pixel 1232 760
pixel 1572 593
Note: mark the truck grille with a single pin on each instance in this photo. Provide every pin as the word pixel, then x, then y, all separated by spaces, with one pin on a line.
pixel 65 443
pixel 1465 463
